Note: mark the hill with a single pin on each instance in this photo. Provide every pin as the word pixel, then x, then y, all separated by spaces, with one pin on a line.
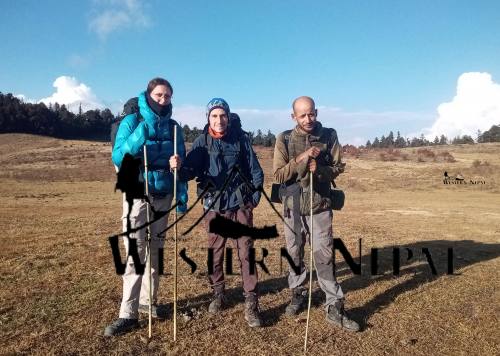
pixel 61 290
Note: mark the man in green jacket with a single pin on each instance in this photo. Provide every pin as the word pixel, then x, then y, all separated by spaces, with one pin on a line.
pixel 310 147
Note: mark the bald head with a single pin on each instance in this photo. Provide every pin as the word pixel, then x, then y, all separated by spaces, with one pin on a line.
pixel 303 101
pixel 304 113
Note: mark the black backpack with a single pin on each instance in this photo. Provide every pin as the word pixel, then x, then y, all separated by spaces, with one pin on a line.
pixel 130 107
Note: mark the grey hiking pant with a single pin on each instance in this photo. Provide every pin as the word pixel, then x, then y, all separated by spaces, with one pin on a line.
pixel 323 259
pixel 136 286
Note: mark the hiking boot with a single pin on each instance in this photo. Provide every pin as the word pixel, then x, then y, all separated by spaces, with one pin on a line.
pixel 337 316
pixel 217 303
pixel 299 298
pixel 121 326
pixel 252 312
pixel 144 309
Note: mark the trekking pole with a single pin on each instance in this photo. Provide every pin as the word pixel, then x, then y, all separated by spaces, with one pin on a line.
pixel 148 252
pixel 311 239
pixel 175 238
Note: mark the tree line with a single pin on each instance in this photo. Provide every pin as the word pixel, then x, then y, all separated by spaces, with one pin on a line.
pixel 492 135
pixel 257 139
pixel 57 121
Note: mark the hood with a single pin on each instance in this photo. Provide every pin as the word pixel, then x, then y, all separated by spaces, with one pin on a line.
pixel 149 116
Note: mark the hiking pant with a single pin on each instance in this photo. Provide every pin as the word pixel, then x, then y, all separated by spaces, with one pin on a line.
pixel 242 245
pixel 136 286
pixel 323 252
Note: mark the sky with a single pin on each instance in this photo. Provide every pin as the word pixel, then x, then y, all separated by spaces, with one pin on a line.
pixel 414 66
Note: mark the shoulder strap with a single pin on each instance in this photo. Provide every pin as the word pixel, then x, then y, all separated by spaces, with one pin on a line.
pixel 139 116
pixel 241 144
pixel 329 144
pixel 286 140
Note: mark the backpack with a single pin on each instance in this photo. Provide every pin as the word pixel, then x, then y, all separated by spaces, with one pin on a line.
pixel 130 107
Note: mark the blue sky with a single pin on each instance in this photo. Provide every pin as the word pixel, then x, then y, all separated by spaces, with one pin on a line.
pixel 372 66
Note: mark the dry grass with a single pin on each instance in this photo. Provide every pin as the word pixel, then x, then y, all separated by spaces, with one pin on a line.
pixel 60 289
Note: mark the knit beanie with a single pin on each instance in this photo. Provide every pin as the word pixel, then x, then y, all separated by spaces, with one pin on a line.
pixel 218 103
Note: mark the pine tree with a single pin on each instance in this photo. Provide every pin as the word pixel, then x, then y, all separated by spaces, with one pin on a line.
pixel 390 139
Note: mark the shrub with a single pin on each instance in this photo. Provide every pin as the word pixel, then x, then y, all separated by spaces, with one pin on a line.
pixel 450 159
pixel 395 153
pixel 447 156
pixel 351 150
pixel 476 163
pixel 426 152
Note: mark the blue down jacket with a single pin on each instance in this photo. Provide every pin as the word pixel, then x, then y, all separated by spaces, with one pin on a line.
pixel 156 134
pixel 212 160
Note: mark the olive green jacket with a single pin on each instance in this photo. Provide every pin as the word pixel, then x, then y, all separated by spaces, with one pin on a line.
pixel 292 143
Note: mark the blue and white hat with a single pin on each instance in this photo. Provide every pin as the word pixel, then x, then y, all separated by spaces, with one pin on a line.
pixel 218 103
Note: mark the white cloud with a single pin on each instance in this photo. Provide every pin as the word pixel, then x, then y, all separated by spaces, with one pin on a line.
pixel 72 93
pixel 476 106
pixel 24 99
pixel 191 115
pixel 251 119
pixel 113 15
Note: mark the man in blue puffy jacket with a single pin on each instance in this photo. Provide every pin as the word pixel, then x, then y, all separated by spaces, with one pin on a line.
pixel 214 154
pixel 152 129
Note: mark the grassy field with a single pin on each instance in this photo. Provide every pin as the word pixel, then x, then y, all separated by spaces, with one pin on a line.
pixel 59 287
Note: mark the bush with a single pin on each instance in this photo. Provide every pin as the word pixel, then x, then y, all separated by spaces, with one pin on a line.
pixel 426 152
pixel 351 150
pixel 395 153
pixel 476 163
pixel 447 157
